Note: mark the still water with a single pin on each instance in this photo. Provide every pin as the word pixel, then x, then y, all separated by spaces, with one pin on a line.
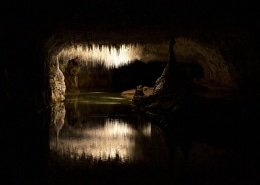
pixel 102 126
pixel 96 138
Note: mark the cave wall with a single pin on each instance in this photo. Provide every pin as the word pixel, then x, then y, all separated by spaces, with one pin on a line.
pixel 71 75
pixel 56 81
pixel 228 61
pixel 215 68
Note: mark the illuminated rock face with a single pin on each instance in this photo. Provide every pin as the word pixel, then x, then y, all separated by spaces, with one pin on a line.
pixel 106 55
pixel 57 83
pixel 161 81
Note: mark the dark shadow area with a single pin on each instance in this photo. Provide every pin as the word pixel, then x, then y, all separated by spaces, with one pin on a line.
pixel 129 76
pixel 100 78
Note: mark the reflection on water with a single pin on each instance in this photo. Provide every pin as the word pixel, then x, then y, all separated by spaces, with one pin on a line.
pixel 57 118
pixel 107 133
pixel 115 138
pixel 101 129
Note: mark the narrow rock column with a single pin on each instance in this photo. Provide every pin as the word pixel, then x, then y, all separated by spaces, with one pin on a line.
pixel 57 83
pixel 164 81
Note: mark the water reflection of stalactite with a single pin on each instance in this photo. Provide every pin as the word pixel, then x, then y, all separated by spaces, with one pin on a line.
pixel 115 139
pixel 57 118
pixel 98 130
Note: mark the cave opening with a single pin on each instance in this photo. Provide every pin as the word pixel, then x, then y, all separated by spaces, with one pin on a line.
pixel 92 84
pixel 84 67
pixel 65 121
pixel 104 65
pixel 95 121
pixel 89 116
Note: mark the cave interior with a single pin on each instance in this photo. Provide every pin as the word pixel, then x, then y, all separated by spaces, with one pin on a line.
pixel 218 42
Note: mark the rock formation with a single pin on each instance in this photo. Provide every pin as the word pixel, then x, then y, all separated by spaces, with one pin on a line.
pixel 162 82
pixel 177 78
pixel 57 83
pixel 174 88
pixel 71 75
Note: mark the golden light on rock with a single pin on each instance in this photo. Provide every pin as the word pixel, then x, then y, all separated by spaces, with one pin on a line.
pixel 108 55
